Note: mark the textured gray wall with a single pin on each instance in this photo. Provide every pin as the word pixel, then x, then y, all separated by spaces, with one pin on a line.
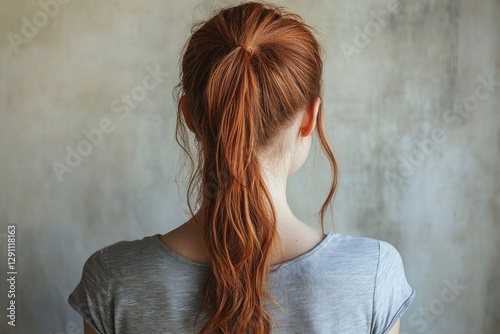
pixel 414 128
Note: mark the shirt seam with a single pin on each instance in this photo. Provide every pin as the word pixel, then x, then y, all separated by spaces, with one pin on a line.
pixel 308 254
pixel 190 262
pixel 177 256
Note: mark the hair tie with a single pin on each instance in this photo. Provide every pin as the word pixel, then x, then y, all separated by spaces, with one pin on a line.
pixel 247 48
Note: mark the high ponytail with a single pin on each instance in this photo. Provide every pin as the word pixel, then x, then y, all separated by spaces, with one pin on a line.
pixel 240 220
pixel 246 74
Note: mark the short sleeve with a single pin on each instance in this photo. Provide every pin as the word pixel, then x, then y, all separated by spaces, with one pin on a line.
pixel 392 294
pixel 90 297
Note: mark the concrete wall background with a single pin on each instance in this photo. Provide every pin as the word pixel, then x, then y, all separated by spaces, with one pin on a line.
pixel 437 199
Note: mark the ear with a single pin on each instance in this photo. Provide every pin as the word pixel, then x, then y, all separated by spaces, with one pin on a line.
pixel 185 111
pixel 308 123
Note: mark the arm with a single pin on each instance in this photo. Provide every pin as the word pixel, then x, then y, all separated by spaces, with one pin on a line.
pixel 88 330
pixel 394 330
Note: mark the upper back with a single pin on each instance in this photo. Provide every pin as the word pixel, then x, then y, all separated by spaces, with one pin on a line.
pixel 344 285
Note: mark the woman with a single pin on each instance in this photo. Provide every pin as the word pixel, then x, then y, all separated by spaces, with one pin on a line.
pixel 250 93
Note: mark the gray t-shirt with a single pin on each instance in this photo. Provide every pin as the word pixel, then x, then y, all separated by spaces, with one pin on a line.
pixel 344 285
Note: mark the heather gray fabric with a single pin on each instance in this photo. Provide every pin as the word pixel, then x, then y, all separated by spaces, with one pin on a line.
pixel 344 285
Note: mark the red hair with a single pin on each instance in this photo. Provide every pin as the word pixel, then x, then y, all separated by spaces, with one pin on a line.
pixel 246 74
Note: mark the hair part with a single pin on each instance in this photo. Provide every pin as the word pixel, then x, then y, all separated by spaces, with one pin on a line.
pixel 246 73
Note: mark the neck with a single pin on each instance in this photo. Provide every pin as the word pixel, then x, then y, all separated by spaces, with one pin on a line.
pixel 285 219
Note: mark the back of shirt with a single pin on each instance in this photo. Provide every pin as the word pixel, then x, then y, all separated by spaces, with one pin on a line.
pixel 344 285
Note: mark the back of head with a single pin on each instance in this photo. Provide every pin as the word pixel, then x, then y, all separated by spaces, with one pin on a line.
pixel 245 73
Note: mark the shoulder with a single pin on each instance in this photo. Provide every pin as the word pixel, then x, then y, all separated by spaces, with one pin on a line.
pixel 364 248
pixel 347 240
pixel 392 293
pixel 353 257
pixel 378 266
pixel 126 256
pixel 390 270
pixel 117 261
pixel 389 257
pixel 372 258
pixel 93 296
pixel 356 249
pixel 124 249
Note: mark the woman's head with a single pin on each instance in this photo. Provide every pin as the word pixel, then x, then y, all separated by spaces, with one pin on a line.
pixel 251 87
pixel 268 66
